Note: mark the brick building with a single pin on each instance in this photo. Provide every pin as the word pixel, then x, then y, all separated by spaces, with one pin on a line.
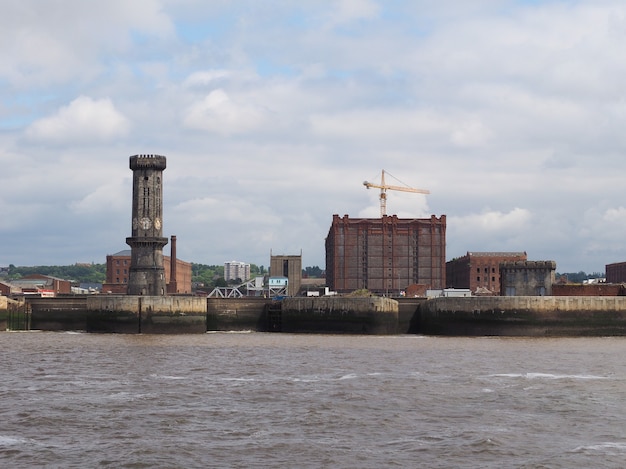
pixel 479 271
pixel 42 285
pixel 118 267
pixel 385 255
pixel 616 273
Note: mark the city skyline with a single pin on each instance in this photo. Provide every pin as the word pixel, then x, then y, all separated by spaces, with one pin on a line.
pixel 510 112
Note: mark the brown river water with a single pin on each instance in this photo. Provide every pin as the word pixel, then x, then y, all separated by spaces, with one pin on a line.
pixel 295 401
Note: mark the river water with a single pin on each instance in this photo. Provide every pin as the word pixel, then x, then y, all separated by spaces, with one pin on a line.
pixel 282 400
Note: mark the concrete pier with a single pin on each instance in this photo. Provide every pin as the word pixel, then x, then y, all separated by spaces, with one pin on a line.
pixel 531 316
pixel 524 316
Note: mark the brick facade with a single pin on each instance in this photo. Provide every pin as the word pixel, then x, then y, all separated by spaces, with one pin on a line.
pixel 385 255
pixel 118 267
pixel 616 273
pixel 588 290
pixel 479 271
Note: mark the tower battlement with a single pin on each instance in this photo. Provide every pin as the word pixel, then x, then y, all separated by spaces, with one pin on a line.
pixel 157 162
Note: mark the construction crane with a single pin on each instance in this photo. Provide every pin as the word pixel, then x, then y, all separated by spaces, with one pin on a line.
pixel 383 191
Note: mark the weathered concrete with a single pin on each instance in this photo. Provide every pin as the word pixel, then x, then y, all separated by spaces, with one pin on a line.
pixel 372 315
pixel 408 314
pixel 120 313
pixel 58 314
pixel 237 314
pixel 148 314
pixel 524 316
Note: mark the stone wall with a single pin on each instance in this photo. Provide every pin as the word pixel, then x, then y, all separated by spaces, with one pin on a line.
pixel 369 315
pixel 524 316
pixel 120 313
pixel 237 314
pixel 147 314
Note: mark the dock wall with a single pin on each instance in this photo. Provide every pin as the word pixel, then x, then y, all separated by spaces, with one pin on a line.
pixel 523 316
pixel 371 315
pixel 120 313
pixel 237 314
pixel 471 316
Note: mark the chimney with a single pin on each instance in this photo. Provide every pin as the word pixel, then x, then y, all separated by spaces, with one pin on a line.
pixel 173 287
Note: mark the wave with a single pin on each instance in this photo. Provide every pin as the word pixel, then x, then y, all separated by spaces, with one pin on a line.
pixel 11 440
pixel 154 375
pixel 605 447
pixel 545 376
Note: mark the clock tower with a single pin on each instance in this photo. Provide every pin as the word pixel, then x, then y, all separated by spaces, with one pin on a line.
pixel 147 275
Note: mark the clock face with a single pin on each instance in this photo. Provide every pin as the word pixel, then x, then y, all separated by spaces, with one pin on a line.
pixel 157 223
pixel 135 223
pixel 145 223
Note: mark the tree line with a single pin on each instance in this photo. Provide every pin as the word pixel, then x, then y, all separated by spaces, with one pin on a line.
pixel 208 275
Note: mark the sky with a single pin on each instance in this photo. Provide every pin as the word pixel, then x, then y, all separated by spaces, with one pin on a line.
pixel 272 114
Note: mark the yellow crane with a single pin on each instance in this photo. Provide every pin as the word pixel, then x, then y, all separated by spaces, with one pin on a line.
pixel 383 191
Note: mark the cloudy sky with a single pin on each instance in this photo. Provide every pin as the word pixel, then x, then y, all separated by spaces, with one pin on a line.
pixel 272 114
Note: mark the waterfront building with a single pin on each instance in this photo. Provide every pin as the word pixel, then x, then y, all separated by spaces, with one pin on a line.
pixel 616 272
pixel 118 268
pixel 527 278
pixel 385 255
pixel 289 267
pixel 146 274
pixel 479 271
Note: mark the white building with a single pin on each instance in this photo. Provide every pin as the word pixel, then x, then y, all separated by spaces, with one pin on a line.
pixel 236 270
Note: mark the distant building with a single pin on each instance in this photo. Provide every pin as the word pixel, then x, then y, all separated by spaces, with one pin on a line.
pixel 593 289
pixel 289 267
pixel 118 268
pixel 527 278
pixel 479 271
pixel 41 285
pixel 7 289
pixel 385 255
pixel 234 270
pixel 616 273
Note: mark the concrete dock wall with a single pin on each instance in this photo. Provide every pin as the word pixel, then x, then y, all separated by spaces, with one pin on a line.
pixel 237 314
pixel 371 315
pixel 147 314
pixel 58 314
pixel 120 313
pixel 524 316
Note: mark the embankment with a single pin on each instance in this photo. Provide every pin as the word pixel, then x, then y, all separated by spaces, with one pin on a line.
pixel 523 316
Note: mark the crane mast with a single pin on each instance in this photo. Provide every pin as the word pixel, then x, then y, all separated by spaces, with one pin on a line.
pixel 385 187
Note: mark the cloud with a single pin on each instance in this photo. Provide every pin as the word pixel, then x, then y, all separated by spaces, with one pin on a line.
pixel 490 222
pixel 346 11
pixel 84 120
pixel 206 77
pixel 218 113
pixel 61 42
pixel 272 114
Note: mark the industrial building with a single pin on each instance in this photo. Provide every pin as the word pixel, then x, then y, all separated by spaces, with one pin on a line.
pixel 527 278
pixel 118 268
pixel 37 285
pixel 479 271
pixel 385 255
pixel 616 272
pixel 289 267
